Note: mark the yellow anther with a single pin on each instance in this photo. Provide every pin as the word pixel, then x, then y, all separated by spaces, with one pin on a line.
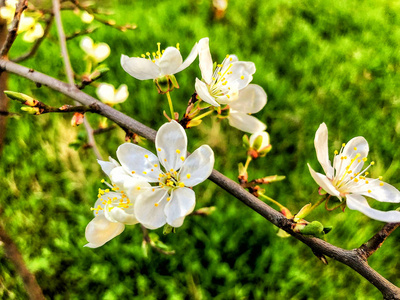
pixel 219 73
pixel 102 181
pixel 380 177
pixel 365 159
pixel 153 190
pixel 151 170
pixel 138 188
pixel 133 172
pixel 155 165
pixel 188 176
pixel 355 148
pixel 107 190
pixel 359 160
pixel 178 151
pixel 177 46
pixel 230 59
pixel 366 173
pixel 144 172
pixel 369 191
pixel 159 149
pixel 227 56
pixel 168 199
pixel 165 159
pixel 181 184
pixel 345 157
pixel 381 184
pixel 343 144
pixel 148 53
pixel 372 163
pixel 355 179
pixel 155 204
pixel 182 158
pixel 154 54
pixel 228 96
pixel 350 171
pixel 242 77
pixel 143 55
pixel 336 152
pixel 171 170
pixel 146 156
pixel 366 181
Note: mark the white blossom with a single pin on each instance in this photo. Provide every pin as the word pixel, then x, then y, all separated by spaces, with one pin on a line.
pixel 157 64
pixel 109 95
pixel 171 197
pixel 97 52
pixel 347 178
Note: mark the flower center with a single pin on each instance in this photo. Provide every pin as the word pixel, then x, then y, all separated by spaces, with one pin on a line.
pixel 156 56
pixel 111 199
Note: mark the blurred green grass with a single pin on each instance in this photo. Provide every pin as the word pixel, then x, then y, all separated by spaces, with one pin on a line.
pixel 323 61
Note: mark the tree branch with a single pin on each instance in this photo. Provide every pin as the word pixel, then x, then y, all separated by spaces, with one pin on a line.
pixel 12 252
pixel 351 258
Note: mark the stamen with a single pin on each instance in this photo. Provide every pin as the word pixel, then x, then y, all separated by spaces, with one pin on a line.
pixel 188 176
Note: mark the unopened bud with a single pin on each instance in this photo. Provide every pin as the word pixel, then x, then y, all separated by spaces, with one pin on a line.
pixel 259 144
pixel 77 119
pixel 304 211
pixel 168 229
pixel 31 110
pixel 193 123
pixel 246 141
pixel 314 228
pixel 24 99
pixel 286 212
pixel 98 72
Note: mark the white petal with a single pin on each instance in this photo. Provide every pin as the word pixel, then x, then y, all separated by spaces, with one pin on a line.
pixel 382 193
pixel 170 61
pixel 321 147
pixel 245 122
pixel 87 45
pixel 122 94
pixel 265 139
pixel 99 231
pixel 204 94
pixel 251 99
pixel 191 57
pixel 242 72
pixel 324 183
pixel 106 92
pixel 139 161
pixel 122 216
pixel 358 202
pixel 205 61
pixel 25 23
pixel 135 186
pixel 182 203
pixel 33 34
pixel 118 175
pixel 101 52
pixel 149 215
pixel 140 68
pixel 171 145
pixel 108 166
pixel 198 166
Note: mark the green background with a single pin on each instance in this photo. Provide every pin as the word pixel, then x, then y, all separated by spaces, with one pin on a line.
pixel 326 61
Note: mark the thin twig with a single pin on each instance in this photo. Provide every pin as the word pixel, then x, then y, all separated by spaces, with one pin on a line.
pixel 70 73
pixel 369 248
pixel 12 33
pixel 351 258
pixel 38 42
pixel 12 252
pixel 103 130
pixel 81 32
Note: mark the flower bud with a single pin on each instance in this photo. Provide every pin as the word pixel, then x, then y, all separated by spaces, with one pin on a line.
pixel 77 119
pixel 314 228
pixel 31 110
pixel 98 72
pixel 304 211
pixel 24 99
pixel 259 144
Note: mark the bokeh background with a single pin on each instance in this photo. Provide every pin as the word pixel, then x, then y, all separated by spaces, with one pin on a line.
pixel 331 61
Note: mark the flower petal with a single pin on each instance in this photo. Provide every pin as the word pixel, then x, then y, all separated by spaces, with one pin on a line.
pixel 324 183
pixel 170 61
pixel 377 190
pixel 245 122
pixel 205 61
pixel 182 203
pixel 101 52
pixel 108 166
pixel 171 145
pixel 122 94
pixel 358 202
pixel 204 94
pixel 33 34
pixel 198 166
pixel 99 231
pixel 140 68
pixel 139 161
pixel 122 215
pixel 191 57
pixel 251 99
pixel 149 215
pixel 86 45
pixel 106 92
pixel 240 73
pixel 321 147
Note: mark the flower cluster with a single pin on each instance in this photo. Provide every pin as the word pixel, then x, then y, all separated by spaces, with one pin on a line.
pixel 153 190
